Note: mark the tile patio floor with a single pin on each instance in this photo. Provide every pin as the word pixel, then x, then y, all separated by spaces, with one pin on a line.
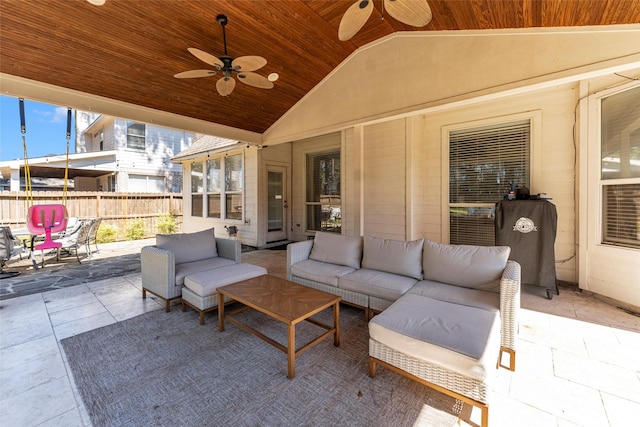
pixel 578 360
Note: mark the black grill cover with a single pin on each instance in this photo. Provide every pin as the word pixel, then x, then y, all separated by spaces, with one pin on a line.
pixel 529 228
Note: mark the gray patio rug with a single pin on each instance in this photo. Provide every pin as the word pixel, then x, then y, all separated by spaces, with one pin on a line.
pixel 164 369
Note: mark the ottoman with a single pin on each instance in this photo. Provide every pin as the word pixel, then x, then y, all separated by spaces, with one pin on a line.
pixel 200 291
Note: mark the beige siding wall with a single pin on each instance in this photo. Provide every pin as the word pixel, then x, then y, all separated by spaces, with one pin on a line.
pixel 552 160
pixel 385 189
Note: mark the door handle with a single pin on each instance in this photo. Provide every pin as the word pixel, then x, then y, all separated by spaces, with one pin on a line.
pixel 286 205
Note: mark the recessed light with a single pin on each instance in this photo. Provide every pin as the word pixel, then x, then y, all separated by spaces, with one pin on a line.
pixel 273 77
pixel 97 2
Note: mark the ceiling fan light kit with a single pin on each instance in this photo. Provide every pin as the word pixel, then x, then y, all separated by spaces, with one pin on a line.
pixel 416 13
pixel 242 67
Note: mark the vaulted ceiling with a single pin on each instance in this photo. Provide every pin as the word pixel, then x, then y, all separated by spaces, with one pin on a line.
pixel 129 50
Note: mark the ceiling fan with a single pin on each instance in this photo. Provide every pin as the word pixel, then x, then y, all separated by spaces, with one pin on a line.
pixel 416 13
pixel 242 67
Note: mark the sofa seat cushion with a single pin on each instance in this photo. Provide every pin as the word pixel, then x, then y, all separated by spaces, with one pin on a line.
pixel 393 256
pixel 186 268
pixel 460 338
pixel 337 249
pixel 322 272
pixel 206 283
pixel 187 247
pixel 457 294
pixel 377 283
pixel 465 265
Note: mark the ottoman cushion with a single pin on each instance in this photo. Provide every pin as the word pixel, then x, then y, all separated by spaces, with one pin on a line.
pixel 206 283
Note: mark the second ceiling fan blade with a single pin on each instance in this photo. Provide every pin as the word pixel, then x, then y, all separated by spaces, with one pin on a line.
pixel 225 85
pixel 416 13
pixel 249 63
pixel 195 73
pixel 354 18
pixel 205 57
pixel 256 80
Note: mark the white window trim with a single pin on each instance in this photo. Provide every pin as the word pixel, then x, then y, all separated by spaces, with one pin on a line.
pixel 319 150
pixel 594 176
pixel 535 117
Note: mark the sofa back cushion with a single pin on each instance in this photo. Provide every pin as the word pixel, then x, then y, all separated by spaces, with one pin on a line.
pixel 337 249
pixel 188 247
pixel 393 256
pixel 477 267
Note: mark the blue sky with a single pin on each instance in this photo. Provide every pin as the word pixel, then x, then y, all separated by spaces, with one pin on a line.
pixel 46 129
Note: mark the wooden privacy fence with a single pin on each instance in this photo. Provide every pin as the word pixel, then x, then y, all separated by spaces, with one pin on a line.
pixel 116 209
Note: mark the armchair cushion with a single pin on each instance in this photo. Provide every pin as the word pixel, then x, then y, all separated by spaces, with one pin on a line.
pixel 478 267
pixel 188 247
pixel 187 268
pixel 393 256
pixel 337 249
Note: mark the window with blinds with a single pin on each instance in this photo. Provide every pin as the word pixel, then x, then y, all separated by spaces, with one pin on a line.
pixel 483 162
pixel 135 136
pixel 323 192
pixel 620 168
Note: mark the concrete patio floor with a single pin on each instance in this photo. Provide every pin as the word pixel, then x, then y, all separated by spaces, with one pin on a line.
pixel 578 359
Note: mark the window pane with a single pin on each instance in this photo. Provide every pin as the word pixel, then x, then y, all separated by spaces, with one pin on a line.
pixel 621 215
pixel 196 178
pixel 196 205
pixel 135 135
pixel 214 177
pixel 323 192
pixel 483 162
pixel 234 206
pixel 620 152
pixel 472 226
pixel 233 173
pixel 213 206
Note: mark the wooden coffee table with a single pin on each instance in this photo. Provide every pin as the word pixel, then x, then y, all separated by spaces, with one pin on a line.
pixel 285 301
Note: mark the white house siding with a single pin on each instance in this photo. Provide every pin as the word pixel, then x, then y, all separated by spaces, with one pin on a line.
pixel 160 145
pixel 385 189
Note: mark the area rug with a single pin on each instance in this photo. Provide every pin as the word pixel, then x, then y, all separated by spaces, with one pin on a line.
pixel 164 369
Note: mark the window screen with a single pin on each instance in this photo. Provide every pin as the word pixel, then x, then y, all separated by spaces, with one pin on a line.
pixel 483 162
pixel 323 192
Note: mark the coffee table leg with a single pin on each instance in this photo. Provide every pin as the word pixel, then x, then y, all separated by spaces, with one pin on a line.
pixel 220 312
pixel 336 324
pixel 291 351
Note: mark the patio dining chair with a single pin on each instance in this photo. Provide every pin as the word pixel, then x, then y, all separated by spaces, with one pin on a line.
pixel 75 240
pixel 93 235
pixel 9 247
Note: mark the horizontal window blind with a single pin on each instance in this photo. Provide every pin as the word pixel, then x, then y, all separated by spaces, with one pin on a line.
pixel 621 215
pixel 482 163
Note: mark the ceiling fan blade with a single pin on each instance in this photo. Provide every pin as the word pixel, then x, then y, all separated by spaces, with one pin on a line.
pixel 256 80
pixel 205 57
pixel 354 18
pixel 194 73
pixel 416 13
pixel 225 85
pixel 249 63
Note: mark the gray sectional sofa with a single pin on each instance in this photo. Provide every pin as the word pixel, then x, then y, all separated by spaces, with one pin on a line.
pixel 446 312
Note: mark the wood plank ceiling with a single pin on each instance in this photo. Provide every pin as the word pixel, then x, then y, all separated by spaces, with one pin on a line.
pixel 129 50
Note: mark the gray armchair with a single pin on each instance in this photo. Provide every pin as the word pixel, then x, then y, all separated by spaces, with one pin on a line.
pixel 165 265
pixel 9 247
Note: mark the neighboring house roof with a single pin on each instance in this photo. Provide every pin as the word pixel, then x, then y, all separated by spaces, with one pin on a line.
pixel 81 164
pixel 205 144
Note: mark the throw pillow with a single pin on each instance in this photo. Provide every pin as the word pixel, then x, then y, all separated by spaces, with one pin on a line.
pixel 188 247
pixel 393 256
pixel 337 249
